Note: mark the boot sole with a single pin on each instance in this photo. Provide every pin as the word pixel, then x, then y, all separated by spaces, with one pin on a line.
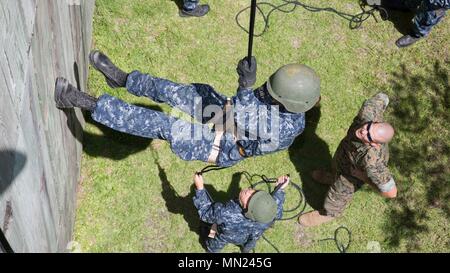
pixel 61 85
pixel 184 14
pixel 110 83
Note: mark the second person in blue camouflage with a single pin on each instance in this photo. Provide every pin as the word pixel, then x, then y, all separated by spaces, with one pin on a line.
pixel 241 221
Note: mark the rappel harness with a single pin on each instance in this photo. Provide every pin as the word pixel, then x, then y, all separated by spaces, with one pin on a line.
pixel 228 126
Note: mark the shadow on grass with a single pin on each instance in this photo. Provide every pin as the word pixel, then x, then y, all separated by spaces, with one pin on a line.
pixel 401 20
pixel 179 3
pixel 184 205
pixel 310 152
pixel 420 151
pixel 113 144
pixel 400 13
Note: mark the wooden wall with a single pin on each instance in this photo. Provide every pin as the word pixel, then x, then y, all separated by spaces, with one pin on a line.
pixel 40 146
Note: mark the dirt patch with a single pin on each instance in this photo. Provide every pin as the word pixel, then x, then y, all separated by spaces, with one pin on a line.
pixel 301 237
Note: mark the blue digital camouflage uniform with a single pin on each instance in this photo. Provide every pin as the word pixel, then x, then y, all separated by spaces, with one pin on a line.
pixel 353 155
pixel 430 13
pixel 232 226
pixel 192 140
pixel 190 4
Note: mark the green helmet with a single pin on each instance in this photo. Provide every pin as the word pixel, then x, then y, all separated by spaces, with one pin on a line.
pixel 296 86
pixel 261 207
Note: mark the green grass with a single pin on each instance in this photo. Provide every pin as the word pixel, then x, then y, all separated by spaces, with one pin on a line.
pixel 135 195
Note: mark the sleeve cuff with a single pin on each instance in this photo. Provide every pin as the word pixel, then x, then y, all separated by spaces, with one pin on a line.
pixel 388 186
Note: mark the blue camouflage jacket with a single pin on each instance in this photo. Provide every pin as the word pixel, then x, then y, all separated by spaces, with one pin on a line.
pixel 232 226
pixel 252 111
pixel 440 3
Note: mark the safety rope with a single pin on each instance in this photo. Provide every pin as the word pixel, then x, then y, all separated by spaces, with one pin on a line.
pixel 340 246
pixel 267 181
pixel 251 31
pixel 264 180
pixel 355 20
pixel 210 168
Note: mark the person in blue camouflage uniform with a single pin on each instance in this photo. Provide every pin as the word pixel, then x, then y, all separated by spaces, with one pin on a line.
pixel 232 224
pixel 188 140
pixel 361 158
pixel 192 8
pixel 428 13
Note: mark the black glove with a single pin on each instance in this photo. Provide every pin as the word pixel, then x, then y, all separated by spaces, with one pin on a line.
pixel 247 75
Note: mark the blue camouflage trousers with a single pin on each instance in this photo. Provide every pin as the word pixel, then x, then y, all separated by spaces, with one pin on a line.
pixel 426 18
pixel 215 245
pixel 190 4
pixel 188 140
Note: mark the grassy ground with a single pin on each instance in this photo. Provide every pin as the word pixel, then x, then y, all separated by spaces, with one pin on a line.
pixel 135 195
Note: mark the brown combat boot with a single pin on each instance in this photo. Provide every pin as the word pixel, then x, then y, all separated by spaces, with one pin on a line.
pixel 323 177
pixel 313 218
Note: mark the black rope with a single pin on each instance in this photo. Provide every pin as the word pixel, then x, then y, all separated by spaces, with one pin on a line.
pixel 355 20
pixel 267 181
pixel 301 204
pixel 210 168
pixel 340 246
pixel 251 31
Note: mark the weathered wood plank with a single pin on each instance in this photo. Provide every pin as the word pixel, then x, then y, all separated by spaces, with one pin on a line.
pixel 45 39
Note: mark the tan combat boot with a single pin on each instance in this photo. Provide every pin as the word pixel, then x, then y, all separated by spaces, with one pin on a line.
pixel 323 177
pixel 313 218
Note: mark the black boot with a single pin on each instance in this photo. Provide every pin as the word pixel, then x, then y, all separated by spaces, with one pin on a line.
pixel 199 11
pixel 407 40
pixel 68 96
pixel 115 77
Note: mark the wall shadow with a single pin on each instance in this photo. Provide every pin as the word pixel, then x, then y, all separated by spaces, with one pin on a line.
pixel 309 152
pixel 11 164
pixel 420 112
pixel 184 205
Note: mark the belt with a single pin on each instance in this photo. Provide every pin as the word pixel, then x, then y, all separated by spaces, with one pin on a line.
pixel 220 129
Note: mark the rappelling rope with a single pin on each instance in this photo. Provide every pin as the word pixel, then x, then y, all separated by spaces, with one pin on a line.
pixel 301 205
pixel 340 246
pixel 355 20
pixel 263 179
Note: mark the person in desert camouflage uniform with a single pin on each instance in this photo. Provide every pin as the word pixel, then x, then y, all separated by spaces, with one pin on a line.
pixel 361 157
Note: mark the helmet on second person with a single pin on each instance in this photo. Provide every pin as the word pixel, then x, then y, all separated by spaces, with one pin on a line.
pixel 295 86
pixel 261 207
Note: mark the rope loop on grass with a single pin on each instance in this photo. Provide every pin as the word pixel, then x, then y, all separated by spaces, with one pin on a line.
pixel 355 20
pixel 342 247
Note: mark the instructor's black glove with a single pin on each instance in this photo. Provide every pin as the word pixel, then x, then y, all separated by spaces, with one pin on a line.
pixel 247 75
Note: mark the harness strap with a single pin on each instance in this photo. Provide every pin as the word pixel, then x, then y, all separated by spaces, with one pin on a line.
pixel 220 128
